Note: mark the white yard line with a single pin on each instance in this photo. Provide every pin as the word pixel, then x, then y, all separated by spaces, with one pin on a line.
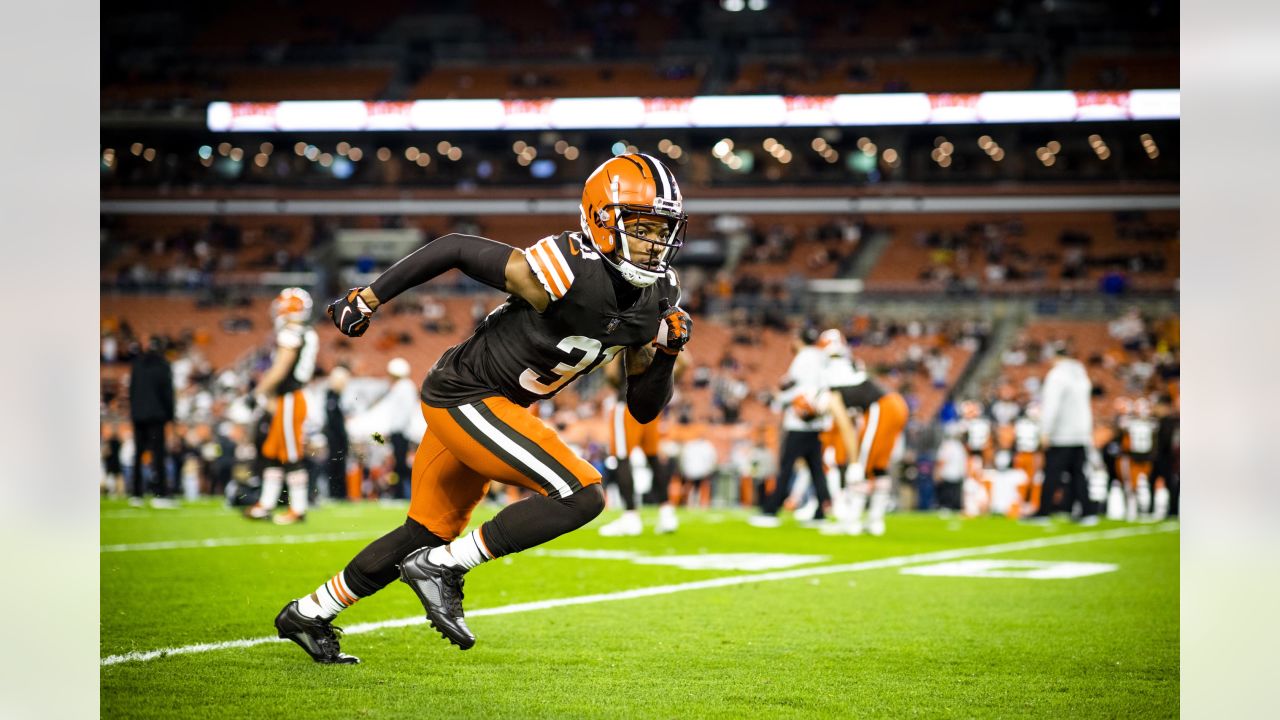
pixel 237 541
pixel 183 512
pixel 879 564
pixel 144 513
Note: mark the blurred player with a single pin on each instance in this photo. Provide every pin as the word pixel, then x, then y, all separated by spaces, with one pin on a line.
pixel 979 437
pixel 804 418
pixel 884 416
pixel 576 301
pixel 1138 445
pixel 1005 410
pixel 1026 455
pixel 280 387
pixel 625 435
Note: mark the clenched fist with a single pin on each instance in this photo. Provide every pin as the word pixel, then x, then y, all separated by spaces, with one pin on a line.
pixel 350 313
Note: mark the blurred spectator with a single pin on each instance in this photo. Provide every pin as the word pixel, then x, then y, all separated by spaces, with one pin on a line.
pixel 1168 453
pixel 939 366
pixel 397 411
pixel 435 316
pixel 1066 424
pixel 151 409
pixel 335 433
pixel 951 468
pixel 112 467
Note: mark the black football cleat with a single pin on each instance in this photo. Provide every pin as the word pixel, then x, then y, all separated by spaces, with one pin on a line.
pixel 440 590
pixel 315 635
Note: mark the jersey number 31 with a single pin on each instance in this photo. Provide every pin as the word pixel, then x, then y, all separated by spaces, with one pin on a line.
pixel 543 384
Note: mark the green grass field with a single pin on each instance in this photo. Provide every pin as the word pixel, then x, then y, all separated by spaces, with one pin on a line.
pixel 794 641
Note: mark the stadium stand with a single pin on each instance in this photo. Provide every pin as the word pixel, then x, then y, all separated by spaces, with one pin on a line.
pixel 1033 252
pixel 201 280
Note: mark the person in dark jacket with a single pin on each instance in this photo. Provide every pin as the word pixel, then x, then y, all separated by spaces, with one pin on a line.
pixel 151 409
pixel 335 433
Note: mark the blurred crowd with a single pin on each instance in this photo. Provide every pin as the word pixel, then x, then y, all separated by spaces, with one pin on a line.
pixel 721 426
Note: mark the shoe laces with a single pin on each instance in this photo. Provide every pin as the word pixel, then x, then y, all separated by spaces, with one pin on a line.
pixel 453 580
pixel 328 638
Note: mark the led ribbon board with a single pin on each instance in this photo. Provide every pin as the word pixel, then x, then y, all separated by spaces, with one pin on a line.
pixel 630 113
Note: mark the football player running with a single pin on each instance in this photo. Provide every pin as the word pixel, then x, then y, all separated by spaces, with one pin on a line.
pixel 867 476
pixel 292 365
pixel 576 300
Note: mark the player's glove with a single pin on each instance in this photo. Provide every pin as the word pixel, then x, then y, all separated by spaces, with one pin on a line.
pixel 673 329
pixel 350 313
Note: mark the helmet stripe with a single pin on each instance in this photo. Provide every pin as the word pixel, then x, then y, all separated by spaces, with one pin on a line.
pixel 659 178
pixel 670 177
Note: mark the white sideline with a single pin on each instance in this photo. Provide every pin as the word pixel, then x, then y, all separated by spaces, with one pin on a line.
pixel 682 587
pixel 236 541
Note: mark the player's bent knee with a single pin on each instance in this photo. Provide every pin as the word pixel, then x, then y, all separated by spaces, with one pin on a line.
pixel 587 503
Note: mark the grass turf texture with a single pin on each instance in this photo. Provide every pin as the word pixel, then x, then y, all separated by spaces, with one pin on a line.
pixel 868 644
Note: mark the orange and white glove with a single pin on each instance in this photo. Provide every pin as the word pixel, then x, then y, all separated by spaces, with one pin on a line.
pixel 674 328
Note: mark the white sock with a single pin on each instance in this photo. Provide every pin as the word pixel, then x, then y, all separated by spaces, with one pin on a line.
pixel 297 480
pixel 328 600
pixel 857 498
pixel 879 501
pixel 467 551
pixel 272 484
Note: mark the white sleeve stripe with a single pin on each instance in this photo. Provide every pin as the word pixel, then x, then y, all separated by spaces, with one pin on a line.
pixel 536 265
pixel 542 267
pixel 558 258
pixel 549 263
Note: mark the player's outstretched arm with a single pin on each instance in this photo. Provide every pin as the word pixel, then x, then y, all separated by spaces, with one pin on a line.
pixel 480 258
pixel 495 264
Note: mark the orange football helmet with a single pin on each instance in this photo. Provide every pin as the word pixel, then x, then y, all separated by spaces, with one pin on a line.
pixel 291 305
pixel 624 191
